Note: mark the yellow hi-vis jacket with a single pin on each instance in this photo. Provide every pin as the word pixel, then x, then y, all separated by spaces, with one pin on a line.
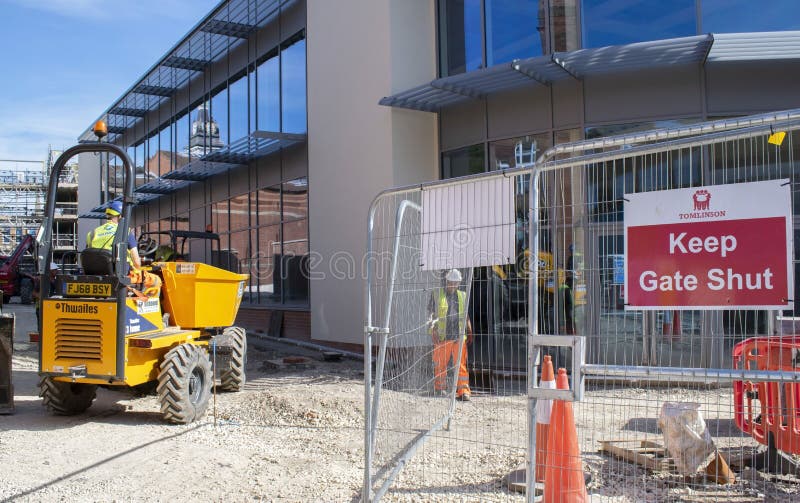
pixel 441 322
pixel 102 237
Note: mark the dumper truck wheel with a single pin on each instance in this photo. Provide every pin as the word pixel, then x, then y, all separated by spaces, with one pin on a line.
pixel 65 398
pixel 232 378
pixel 26 291
pixel 184 384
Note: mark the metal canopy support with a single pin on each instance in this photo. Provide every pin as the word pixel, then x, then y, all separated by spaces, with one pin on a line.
pixel 115 129
pixel 162 91
pixel 199 170
pixel 545 70
pixel 130 112
pixel 228 28
pixel 186 63
pixel 207 42
pixel 257 145
pixel 162 186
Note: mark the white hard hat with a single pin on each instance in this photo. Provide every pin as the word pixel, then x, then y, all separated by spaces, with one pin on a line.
pixel 454 276
pixel 53 266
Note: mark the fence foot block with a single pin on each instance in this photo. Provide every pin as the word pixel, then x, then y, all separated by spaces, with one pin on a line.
pixel 516 479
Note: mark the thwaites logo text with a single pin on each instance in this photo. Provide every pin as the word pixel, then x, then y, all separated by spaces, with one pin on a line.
pixel 76 308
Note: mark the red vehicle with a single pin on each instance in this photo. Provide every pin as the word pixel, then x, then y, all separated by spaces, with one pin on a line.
pixel 17 271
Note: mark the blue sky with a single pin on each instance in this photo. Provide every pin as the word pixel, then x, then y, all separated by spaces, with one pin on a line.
pixel 65 61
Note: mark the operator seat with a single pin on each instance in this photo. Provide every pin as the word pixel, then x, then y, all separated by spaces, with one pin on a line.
pixel 97 262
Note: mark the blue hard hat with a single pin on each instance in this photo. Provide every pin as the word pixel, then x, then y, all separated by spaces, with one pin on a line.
pixel 114 209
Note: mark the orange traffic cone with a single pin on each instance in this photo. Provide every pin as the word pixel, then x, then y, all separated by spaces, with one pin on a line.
pixel 677 330
pixel 564 482
pixel 543 408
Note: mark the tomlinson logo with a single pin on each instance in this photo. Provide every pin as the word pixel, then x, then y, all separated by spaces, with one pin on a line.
pixel 77 308
pixel 702 200
pixel 702 207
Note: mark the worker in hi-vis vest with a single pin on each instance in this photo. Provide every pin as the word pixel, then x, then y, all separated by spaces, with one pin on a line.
pixel 102 237
pixel 448 324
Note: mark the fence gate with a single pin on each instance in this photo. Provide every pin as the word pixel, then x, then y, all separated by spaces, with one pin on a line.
pixel 643 264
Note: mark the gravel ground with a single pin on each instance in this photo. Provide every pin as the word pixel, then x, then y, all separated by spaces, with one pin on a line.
pixel 296 435
pixel 289 436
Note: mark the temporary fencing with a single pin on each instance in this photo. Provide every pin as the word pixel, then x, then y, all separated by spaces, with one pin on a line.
pixel 649 368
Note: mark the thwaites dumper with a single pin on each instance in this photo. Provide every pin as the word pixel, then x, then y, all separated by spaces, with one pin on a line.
pixel 97 331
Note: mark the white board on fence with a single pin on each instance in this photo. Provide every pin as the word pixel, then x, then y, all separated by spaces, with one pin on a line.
pixel 468 225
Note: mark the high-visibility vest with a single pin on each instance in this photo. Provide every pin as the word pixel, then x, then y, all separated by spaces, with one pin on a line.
pixel 102 237
pixel 441 323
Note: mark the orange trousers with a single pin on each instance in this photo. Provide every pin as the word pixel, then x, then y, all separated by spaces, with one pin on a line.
pixel 443 353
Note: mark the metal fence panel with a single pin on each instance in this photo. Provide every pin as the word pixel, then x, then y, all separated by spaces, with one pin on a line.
pixel 568 262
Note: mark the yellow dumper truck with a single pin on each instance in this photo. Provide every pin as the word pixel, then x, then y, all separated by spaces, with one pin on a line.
pixel 100 329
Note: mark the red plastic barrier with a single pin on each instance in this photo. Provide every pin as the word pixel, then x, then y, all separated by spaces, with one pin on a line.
pixel 769 407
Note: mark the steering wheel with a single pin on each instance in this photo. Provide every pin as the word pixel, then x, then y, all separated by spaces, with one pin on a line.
pixel 146 246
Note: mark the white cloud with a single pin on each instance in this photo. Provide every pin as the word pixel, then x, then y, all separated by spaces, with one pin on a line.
pixel 26 129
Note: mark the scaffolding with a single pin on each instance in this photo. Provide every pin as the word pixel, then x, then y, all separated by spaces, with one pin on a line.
pixel 65 230
pixel 23 186
pixel 22 196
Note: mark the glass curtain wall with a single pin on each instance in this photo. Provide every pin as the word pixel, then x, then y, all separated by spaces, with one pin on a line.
pixel 476 34
pixel 264 232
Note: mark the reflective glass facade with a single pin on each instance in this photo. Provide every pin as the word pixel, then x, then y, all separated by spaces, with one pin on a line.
pixel 481 33
pixel 610 22
pixel 731 16
pixel 259 210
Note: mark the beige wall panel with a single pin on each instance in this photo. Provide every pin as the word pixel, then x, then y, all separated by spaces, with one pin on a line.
pixel 356 148
pixel 567 104
pixel 518 112
pixel 673 92
pixel 463 125
pixel 767 86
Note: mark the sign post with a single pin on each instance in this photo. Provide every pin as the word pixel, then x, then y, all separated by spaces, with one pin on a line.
pixel 713 247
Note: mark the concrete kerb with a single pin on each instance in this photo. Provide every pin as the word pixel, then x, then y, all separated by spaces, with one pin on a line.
pixel 254 338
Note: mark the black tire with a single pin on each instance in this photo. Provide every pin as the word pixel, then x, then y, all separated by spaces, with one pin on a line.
pixel 184 384
pixel 65 398
pixel 233 377
pixel 26 291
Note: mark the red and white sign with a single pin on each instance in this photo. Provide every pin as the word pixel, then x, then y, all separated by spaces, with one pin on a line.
pixel 713 247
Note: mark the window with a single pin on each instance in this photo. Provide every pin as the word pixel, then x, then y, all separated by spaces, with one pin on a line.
pixel 181 152
pixel 513 152
pixel 610 22
pixel 460 36
pixel 166 158
pixel 182 138
pixel 151 161
pixel 219 113
pixel 293 88
pixel 266 232
pixel 464 161
pixel 513 30
pixel 239 126
pixel 269 111
pixel 269 205
pixel 730 16
pixel 139 165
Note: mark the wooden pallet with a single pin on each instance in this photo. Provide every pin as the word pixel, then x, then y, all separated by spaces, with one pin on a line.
pixel 646 453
